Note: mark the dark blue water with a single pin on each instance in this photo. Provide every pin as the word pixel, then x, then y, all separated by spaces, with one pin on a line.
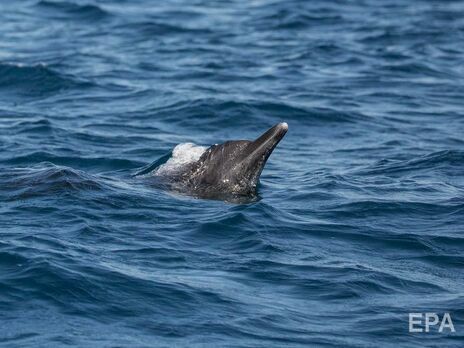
pixel 361 207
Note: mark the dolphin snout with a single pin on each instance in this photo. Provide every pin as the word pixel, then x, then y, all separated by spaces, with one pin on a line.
pixel 283 125
pixel 260 149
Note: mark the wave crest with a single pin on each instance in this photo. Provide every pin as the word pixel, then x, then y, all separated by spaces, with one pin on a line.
pixel 35 80
pixel 72 10
pixel 45 179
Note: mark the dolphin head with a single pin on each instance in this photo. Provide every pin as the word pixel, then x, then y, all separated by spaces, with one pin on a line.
pixel 235 166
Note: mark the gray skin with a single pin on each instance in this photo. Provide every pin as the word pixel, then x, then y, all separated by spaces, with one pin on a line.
pixel 229 169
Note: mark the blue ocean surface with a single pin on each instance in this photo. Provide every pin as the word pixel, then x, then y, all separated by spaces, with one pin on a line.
pixel 360 215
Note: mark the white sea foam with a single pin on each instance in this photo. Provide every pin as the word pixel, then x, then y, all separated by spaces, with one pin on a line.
pixel 182 154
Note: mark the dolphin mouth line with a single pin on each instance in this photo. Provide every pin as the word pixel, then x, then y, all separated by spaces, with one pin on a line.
pixel 266 143
pixel 259 151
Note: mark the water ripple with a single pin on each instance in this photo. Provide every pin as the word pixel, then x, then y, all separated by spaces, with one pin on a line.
pixel 359 216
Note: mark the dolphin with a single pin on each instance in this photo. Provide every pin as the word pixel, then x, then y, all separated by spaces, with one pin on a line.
pixel 224 170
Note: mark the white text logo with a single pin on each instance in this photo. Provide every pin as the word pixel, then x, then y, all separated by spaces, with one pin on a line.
pixel 421 322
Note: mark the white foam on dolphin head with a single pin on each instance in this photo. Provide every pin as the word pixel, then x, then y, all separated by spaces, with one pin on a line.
pixel 182 155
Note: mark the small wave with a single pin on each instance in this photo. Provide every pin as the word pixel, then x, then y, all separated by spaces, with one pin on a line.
pixel 450 159
pixel 35 80
pixel 68 10
pixel 369 208
pixel 387 37
pixel 416 69
pixel 46 178
pixel 246 239
pixel 225 113
pixel 284 17
pixel 72 161
pixel 302 21
pixel 40 126
pixel 153 29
